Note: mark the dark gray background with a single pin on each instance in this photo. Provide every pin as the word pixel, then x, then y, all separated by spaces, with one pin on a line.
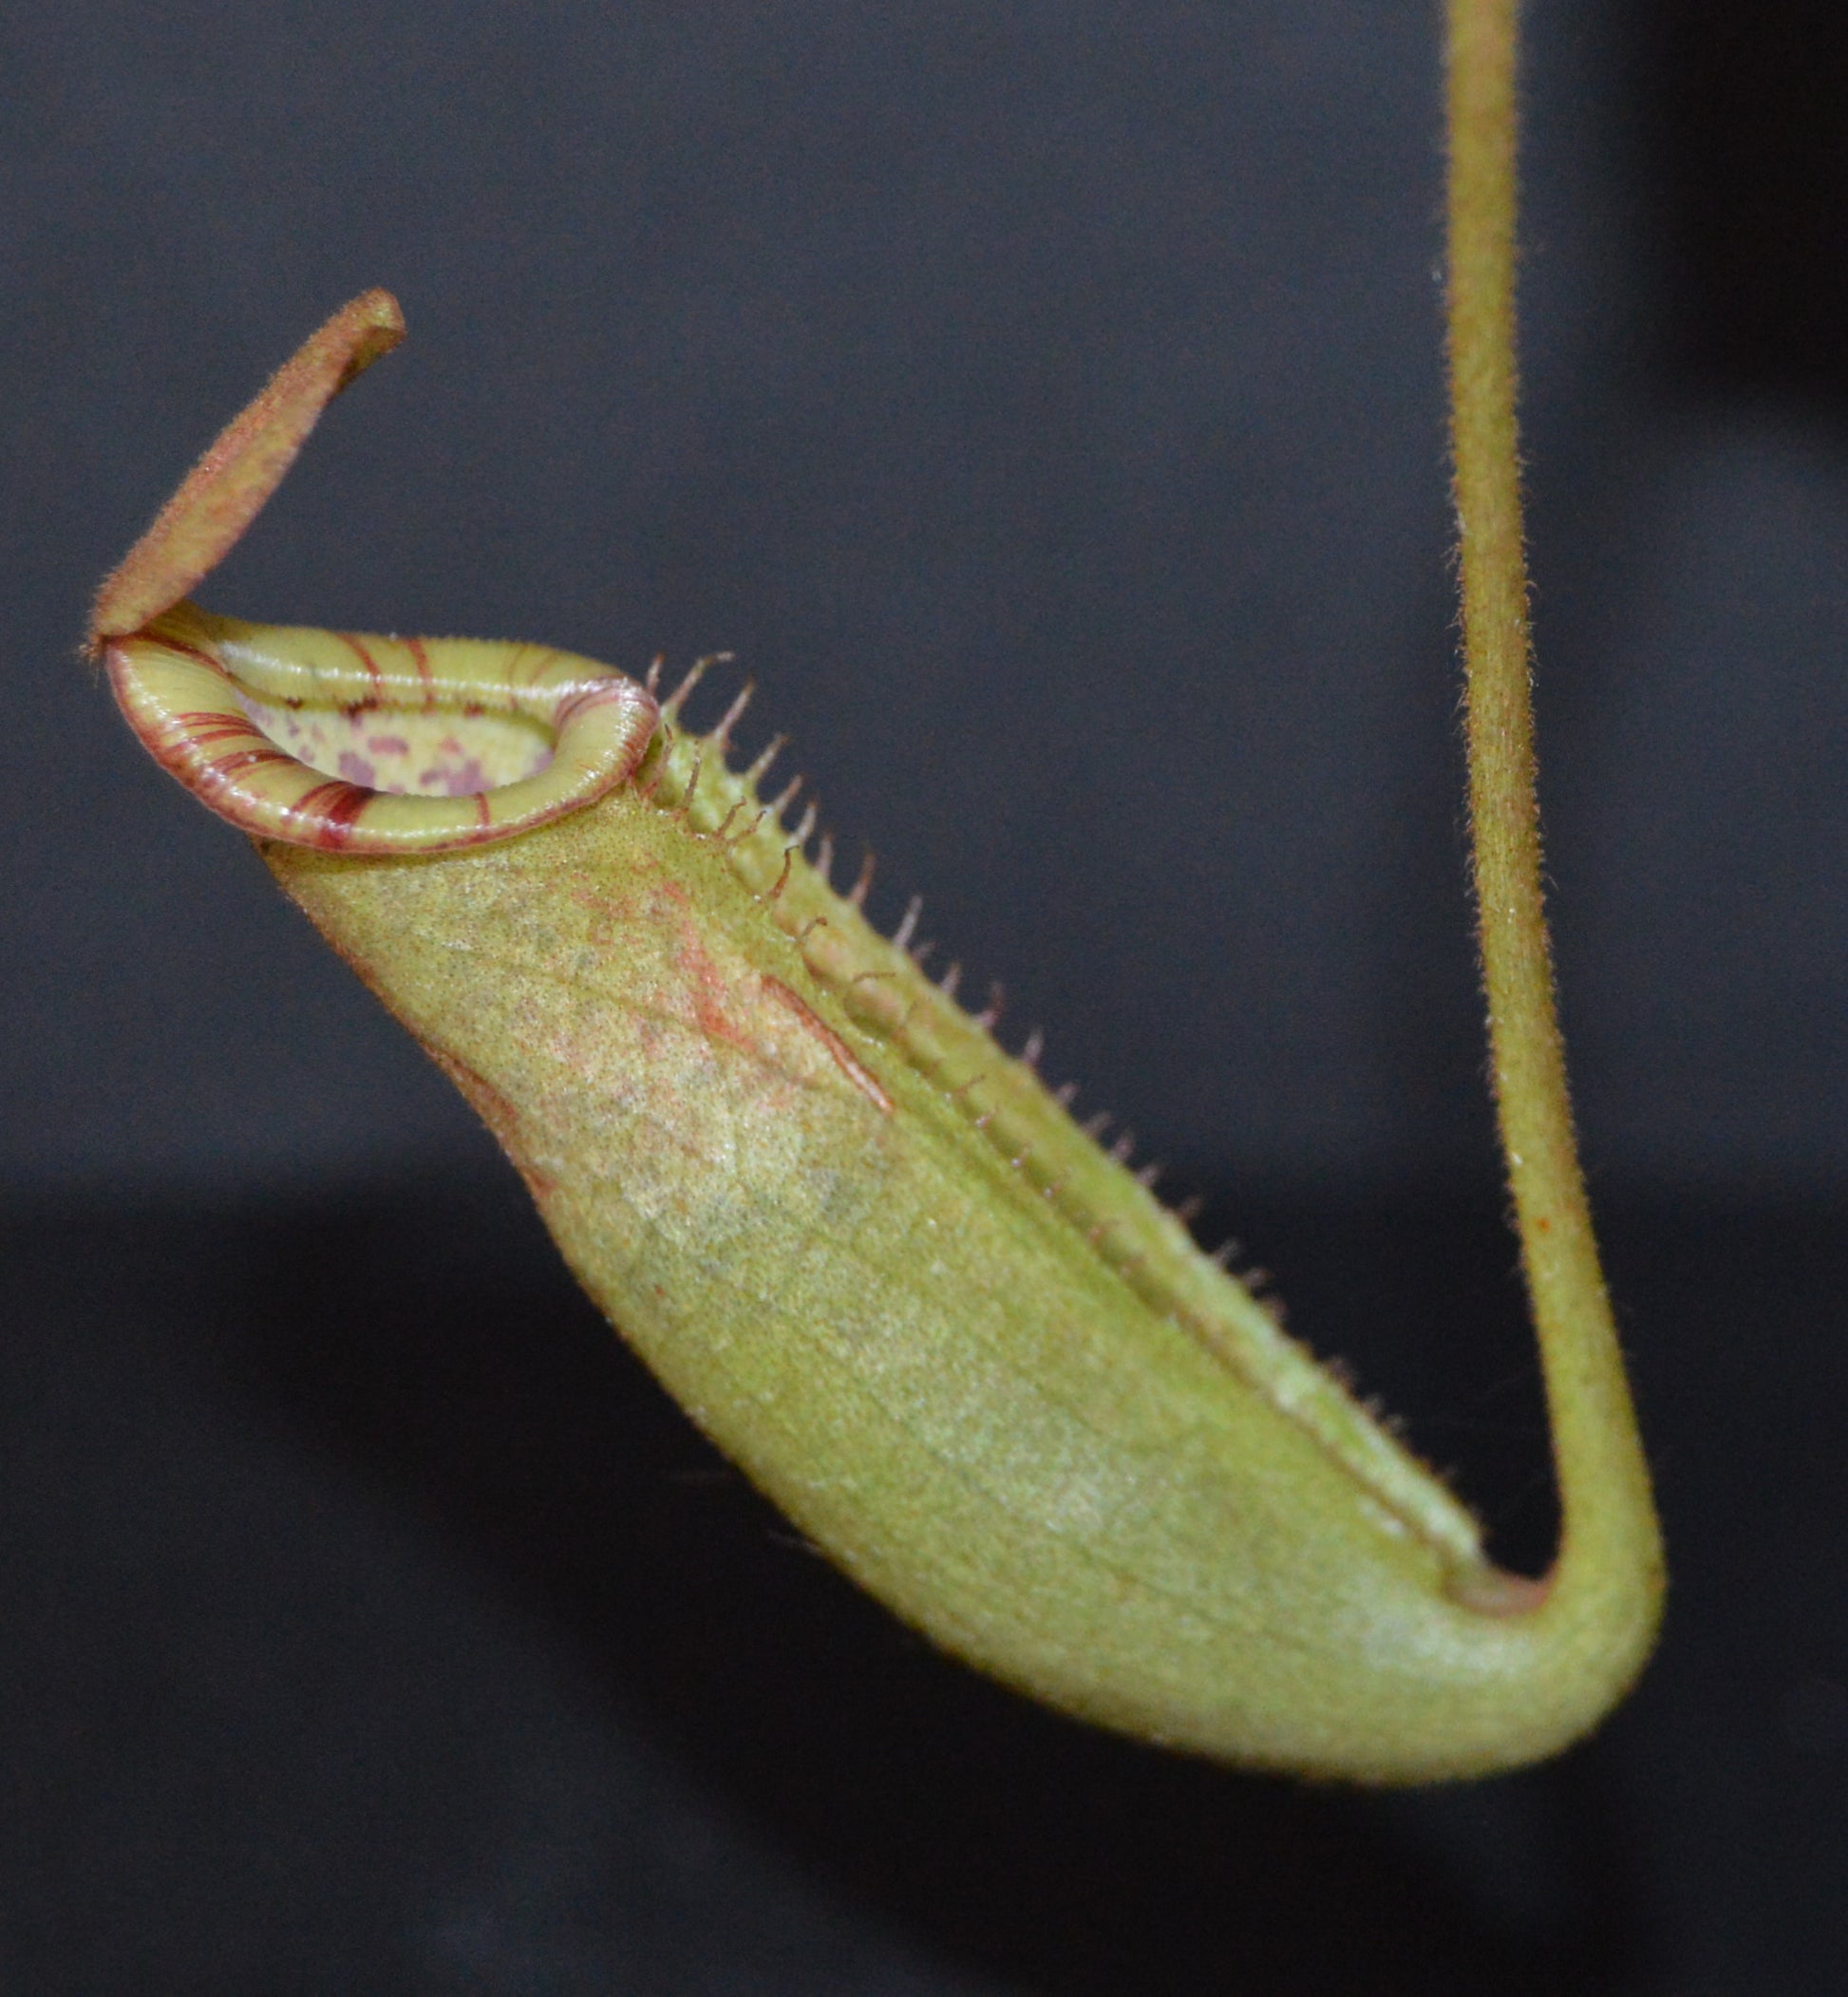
pixel 1045 402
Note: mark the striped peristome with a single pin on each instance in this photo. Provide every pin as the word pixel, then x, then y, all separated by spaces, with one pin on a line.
pixel 362 743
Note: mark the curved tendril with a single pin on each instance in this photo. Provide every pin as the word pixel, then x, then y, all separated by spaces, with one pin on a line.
pixel 1608 1571
pixel 343 741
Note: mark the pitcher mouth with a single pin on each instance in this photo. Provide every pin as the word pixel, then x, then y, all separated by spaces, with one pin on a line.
pixel 338 739
pixel 362 743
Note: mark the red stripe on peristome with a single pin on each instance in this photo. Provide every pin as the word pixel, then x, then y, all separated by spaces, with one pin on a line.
pixel 574 705
pixel 331 810
pixel 152 726
pixel 421 659
pixel 373 669
pixel 245 760
pixel 227 730
pixel 189 652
